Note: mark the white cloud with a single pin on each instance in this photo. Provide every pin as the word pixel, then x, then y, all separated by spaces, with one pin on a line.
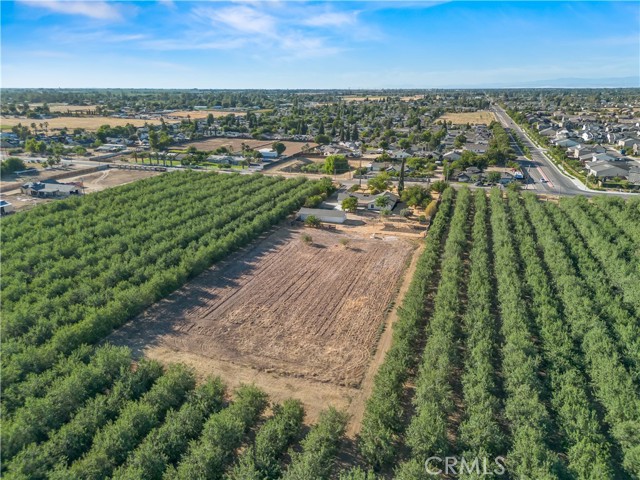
pixel 244 19
pixel 93 9
pixel 331 19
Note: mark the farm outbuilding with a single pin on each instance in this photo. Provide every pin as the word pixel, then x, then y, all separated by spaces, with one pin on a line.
pixel 326 216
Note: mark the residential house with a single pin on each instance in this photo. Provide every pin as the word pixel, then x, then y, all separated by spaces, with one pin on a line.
pixel 473 171
pixel 225 159
pixel 50 189
pixel 463 177
pixel 368 202
pixel 479 148
pixel 452 156
pixel 506 178
pixel 567 143
pixel 606 156
pixel 604 170
pixel 634 175
pixel 628 142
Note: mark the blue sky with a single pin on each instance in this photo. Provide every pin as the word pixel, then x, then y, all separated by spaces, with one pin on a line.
pixel 278 44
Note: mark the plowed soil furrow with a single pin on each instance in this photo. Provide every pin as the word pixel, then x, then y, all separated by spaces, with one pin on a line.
pixel 282 306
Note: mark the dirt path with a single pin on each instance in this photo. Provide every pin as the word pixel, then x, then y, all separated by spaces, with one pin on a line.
pixel 314 395
pixel 356 408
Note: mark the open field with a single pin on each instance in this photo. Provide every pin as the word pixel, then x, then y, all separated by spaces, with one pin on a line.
pixel 97 181
pixel 479 117
pixel 88 123
pixel 200 114
pixel 63 107
pixel 13 180
pixel 235 144
pixel 283 307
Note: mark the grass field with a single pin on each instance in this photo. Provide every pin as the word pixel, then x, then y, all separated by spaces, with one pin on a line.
pixel 63 107
pixel 88 123
pixel 477 118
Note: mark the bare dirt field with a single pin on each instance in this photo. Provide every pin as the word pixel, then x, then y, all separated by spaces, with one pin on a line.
pixel 63 107
pixel 200 114
pixel 299 320
pixel 479 117
pixel 13 180
pixel 97 181
pixel 235 144
pixel 92 182
pixel 88 123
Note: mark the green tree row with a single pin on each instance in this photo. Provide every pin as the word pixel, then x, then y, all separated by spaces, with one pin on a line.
pixel 36 385
pixel 319 448
pixel 263 459
pixel 480 431
pixel 612 383
pixel 112 444
pixel 165 445
pixel 617 254
pixel 528 419
pixel 427 433
pixel 210 454
pixel 74 438
pixel 382 421
pixel 625 214
pixel 588 450
pixel 39 417
pixel 619 317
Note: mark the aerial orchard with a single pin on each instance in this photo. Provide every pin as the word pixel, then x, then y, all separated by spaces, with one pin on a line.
pixel 516 339
pixel 522 344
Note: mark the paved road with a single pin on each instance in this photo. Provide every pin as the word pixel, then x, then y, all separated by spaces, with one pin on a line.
pixel 540 167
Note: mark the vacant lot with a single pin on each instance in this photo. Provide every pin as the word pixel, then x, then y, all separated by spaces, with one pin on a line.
pixel 63 107
pixel 94 182
pixel 284 307
pixel 199 114
pixel 88 123
pixel 479 117
pixel 12 181
pixel 235 144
